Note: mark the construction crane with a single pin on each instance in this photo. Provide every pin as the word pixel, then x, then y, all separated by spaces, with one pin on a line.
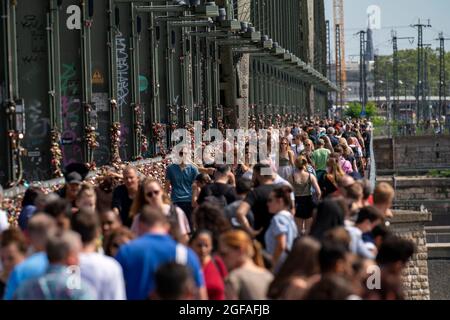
pixel 339 27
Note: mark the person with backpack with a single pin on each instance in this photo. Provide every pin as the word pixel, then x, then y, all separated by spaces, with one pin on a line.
pixel 219 191
pixel 151 193
pixel 213 267
pixel 141 258
pixel 303 183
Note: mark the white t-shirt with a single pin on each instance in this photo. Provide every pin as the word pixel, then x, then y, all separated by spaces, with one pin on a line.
pixel 4 224
pixel 104 274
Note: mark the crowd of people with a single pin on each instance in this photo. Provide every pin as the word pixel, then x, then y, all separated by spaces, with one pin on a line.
pixel 309 230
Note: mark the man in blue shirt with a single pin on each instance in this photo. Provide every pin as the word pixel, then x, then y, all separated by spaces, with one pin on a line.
pixel 40 228
pixel 141 258
pixel 60 281
pixel 181 177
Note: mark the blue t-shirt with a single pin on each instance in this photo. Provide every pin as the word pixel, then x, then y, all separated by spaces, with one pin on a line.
pixel 181 181
pixel 25 215
pixel 282 223
pixel 33 267
pixel 142 257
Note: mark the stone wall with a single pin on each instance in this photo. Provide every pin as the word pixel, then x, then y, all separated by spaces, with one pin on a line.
pixel 411 225
pixel 432 193
pixel 383 153
pixel 413 153
pixel 439 266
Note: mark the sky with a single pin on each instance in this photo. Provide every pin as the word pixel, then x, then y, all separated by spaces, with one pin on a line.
pixel 394 13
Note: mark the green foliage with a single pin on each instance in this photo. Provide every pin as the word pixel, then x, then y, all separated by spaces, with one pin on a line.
pixel 439 173
pixel 408 72
pixel 354 110
pixel 379 121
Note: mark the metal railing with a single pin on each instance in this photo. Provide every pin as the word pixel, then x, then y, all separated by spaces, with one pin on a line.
pixel 16 191
pixel 403 130
pixel 372 163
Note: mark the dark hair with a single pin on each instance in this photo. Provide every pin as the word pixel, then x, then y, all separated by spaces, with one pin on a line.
pixel 16 236
pixel 222 169
pixel 395 249
pixel 330 254
pixel 338 149
pixel 108 242
pixel 30 196
pixel 211 217
pixel 381 231
pixel 243 185
pixel 86 223
pixel 338 235
pixel 330 288
pixel 172 280
pixel 367 188
pixel 151 216
pixel 59 207
pixel 260 166
pixel 284 193
pixel 354 191
pixel 329 215
pixel 369 213
pixel 390 289
pixel 302 261
pixel 198 233
pixel 203 178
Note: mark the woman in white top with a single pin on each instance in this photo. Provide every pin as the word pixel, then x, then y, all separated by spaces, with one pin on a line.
pixel 151 193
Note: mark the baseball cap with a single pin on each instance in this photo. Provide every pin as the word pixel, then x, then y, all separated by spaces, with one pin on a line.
pixel 74 178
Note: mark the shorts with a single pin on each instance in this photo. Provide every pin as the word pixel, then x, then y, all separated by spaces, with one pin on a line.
pixel 304 207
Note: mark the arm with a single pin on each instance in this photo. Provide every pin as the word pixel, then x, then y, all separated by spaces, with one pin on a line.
pixel 11 286
pixel 167 186
pixel 195 194
pixel 202 293
pixel 316 186
pixel 291 158
pixel 209 171
pixel 355 167
pixel 231 179
pixel 241 215
pixel 116 206
pixel 279 249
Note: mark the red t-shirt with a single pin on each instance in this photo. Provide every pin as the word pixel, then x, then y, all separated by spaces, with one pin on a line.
pixel 215 273
pixel 370 200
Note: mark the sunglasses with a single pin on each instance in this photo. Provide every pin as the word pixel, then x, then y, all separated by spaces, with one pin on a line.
pixel 270 200
pixel 150 194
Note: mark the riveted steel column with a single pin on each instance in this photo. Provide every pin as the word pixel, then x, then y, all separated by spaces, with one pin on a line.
pixel 137 112
pixel 13 148
pixel 86 63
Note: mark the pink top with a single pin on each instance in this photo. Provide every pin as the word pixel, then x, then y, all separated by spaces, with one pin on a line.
pixel 346 165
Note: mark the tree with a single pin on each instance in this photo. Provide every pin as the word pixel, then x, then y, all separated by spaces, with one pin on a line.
pixel 407 72
pixel 355 108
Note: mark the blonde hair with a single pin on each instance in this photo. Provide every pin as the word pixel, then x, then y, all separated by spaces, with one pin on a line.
pixel 301 163
pixel 383 193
